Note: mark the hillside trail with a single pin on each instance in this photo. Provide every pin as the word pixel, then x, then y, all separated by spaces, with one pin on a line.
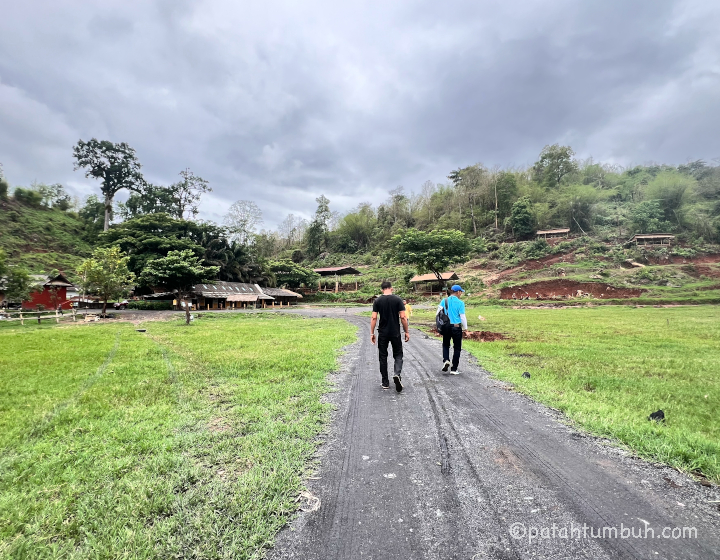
pixel 461 467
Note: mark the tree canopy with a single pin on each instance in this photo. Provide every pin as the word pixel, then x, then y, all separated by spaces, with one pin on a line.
pixel 290 274
pixel 116 165
pixel 178 271
pixel 106 273
pixel 429 251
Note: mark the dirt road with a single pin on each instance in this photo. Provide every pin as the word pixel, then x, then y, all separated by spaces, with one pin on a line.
pixel 460 467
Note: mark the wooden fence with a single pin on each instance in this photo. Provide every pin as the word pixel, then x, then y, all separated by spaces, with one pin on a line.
pixel 23 316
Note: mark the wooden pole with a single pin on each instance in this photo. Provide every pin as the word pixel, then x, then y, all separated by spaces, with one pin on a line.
pixel 22 321
pixel 57 316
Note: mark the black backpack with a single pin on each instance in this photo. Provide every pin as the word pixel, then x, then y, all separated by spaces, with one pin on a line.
pixel 442 321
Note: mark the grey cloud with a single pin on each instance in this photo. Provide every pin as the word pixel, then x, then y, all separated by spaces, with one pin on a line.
pixel 278 102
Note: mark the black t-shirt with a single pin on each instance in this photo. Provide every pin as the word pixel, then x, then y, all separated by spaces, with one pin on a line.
pixel 389 308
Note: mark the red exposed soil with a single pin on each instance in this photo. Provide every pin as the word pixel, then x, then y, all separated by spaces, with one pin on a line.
pixel 556 289
pixel 708 271
pixel 673 259
pixel 538 264
pixel 482 336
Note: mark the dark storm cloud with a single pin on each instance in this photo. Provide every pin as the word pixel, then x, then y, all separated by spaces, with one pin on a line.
pixel 279 102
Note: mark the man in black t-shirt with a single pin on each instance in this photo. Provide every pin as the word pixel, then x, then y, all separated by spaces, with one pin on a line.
pixel 392 311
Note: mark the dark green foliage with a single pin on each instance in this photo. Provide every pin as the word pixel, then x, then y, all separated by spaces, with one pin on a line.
pixel 522 220
pixel 178 271
pixel 648 217
pixel 431 251
pixel 153 236
pixel 292 275
pixel 28 197
pixel 93 214
pixel 316 235
pixel 555 163
pixel 18 284
pixel 150 305
pixel 152 199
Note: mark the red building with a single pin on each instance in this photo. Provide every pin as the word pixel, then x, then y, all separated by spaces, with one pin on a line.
pixel 54 293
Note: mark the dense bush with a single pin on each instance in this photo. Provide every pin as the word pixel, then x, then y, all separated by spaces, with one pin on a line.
pixel 27 197
pixel 150 305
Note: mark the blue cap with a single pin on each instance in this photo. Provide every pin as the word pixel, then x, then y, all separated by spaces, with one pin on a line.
pixel 457 288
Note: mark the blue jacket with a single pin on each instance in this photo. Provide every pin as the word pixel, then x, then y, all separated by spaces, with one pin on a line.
pixel 455 310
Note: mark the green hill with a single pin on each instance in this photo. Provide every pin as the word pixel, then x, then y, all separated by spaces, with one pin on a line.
pixel 42 238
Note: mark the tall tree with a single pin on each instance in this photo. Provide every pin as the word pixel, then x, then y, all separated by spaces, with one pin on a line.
pixel 554 163
pixel 114 164
pixel 429 251
pixel 242 219
pixel 179 270
pixel 106 273
pixel 316 233
pixel 522 220
pixel 187 193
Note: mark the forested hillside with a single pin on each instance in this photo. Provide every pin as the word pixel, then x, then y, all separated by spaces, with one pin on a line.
pixel 498 205
pixel 44 229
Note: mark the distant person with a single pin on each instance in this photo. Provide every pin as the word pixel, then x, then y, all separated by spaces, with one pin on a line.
pixel 60 309
pixel 408 309
pixel 455 309
pixel 392 312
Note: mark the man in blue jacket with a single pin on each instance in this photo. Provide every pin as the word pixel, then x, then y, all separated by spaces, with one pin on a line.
pixel 455 309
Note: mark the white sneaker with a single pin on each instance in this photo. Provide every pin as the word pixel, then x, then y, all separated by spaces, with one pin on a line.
pixel 446 365
pixel 454 372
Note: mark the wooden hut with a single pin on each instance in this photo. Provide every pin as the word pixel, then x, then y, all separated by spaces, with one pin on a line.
pixel 330 279
pixel 282 296
pixel 652 239
pixel 550 233
pixel 429 285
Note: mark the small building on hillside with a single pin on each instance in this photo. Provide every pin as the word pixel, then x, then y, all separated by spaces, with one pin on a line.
pixel 282 296
pixel 429 285
pixel 652 239
pixel 550 233
pixel 53 293
pixel 330 279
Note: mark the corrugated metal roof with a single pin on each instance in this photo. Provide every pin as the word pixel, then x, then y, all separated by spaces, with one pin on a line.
pixel 339 270
pixel 242 297
pixel 431 277
pixel 653 236
pixel 280 292
pixel 546 231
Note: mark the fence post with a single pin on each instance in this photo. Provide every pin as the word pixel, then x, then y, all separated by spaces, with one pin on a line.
pixel 57 316
pixel 74 318
pixel 22 321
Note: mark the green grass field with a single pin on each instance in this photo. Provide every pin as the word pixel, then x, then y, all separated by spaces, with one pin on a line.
pixel 608 368
pixel 181 442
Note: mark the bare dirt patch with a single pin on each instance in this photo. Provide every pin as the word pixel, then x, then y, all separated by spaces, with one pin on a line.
pixel 480 336
pixel 674 259
pixel 537 264
pixel 564 289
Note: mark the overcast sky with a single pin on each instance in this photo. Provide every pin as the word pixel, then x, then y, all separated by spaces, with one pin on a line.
pixel 278 102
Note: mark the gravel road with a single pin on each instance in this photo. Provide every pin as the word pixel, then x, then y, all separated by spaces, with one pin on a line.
pixel 462 467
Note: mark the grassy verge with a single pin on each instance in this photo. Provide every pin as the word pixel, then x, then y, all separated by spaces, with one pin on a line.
pixel 179 442
pixel 608 368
